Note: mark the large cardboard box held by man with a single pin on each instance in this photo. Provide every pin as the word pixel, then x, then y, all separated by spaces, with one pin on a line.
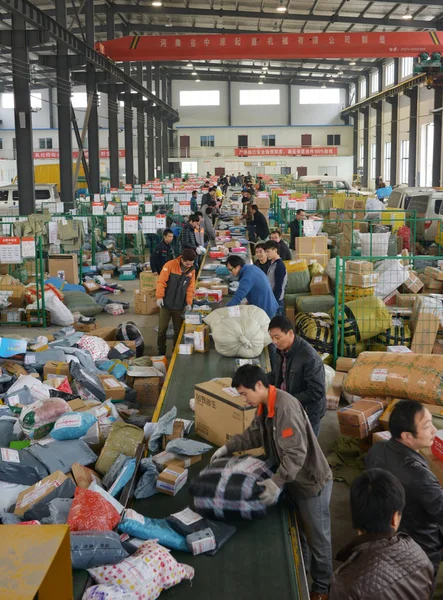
pixel 220 412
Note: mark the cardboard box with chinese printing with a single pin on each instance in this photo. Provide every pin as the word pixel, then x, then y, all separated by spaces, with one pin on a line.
pixel 145 302
pixel 48 576
pixel 147 388
pixel 114 389
pixel 220 412
pixel 320 285
pixel 54 369
pixel 148 280
pixel 64 266
pixel 311 245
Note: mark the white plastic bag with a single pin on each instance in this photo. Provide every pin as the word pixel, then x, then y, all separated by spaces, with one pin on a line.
pixel 329 376
pixel 240 331
pixel 392 275
pixel 374 244
pixel 60 314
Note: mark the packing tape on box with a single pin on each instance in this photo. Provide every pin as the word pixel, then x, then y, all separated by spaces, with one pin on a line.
pixel 367 422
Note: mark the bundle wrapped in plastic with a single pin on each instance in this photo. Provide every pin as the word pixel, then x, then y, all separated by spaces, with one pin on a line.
pixel 145 528
pixel 410 376
pixel 228 488
pixel 352 292
pixel 398 334
pixel 38 419
pixel 362 319
pixel 187 522
pixel 317 329
pixel 143 575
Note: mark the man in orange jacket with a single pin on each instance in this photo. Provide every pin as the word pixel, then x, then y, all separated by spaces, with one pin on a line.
pixel 174 292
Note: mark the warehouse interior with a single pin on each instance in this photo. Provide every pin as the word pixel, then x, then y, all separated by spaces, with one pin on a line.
pixel 315 125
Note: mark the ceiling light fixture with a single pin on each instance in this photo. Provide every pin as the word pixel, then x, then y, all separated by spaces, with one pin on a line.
pixel 407 16
pixel 323 85
pixel 157 3
pixel 281 6
pixel 190 65
pixel 168 22
pixel 262 76
pixel 260 83
pixel 340 73
pixel 194 73
pixel 197 80
pixel 352 63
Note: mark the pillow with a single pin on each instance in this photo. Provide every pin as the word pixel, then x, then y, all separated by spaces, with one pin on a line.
pixel 82 303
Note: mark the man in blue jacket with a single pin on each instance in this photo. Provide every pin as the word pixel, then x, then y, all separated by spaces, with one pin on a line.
pixel 254 286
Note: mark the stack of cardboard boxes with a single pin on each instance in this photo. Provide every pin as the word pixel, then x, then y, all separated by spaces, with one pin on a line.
pixel 263 204
pixel 313 248
pixel 348 225
pixel 144 298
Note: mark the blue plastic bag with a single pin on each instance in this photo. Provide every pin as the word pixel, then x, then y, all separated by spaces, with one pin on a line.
pixel 72 426
pixel 152 529
pixel 113 367
pixel 123 477
pixel 383 192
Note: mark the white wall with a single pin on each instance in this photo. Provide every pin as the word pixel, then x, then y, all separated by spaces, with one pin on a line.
pixel 206 115
pixel 316 114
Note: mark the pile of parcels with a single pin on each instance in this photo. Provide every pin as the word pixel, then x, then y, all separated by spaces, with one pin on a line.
pixel 375 381
pixel 67 456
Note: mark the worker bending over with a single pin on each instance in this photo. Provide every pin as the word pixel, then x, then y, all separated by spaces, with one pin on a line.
pixel 282 428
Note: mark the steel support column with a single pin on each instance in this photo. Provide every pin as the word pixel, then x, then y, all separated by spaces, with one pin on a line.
pixel 113 107
pixel 413 114
pixel 438 121
pixel 355 142
pixel 91 87
pixel 22 116
pixel 165 135
pixel 378 137
pixel 150 127
pixel 365 178
pixel 229 103
pixel 394 140
pixel 64 113
pixel 129 138
pixel 141 147
pixel 158 126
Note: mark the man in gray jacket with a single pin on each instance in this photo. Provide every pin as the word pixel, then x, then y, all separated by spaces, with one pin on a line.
pixel 298 369
pixel 282 428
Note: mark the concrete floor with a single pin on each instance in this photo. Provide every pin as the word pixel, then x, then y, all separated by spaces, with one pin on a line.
pixel 341 524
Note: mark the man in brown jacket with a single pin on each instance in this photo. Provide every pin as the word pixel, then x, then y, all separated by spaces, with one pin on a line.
pixel 282 428
pixel 380 563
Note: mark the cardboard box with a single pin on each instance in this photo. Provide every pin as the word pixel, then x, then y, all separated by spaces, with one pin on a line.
pixel 262 202
pixel 34 494
pixel 64 266
pixel 320 285
pixel 413 284
pixel 115 390
pixel 322 259
pixel 128 343
pixel 434 273
pixel 425 333
pixel 147 388
pixel 434 463
pixel 16 293
pixel 224 288
pixel 360 418
pixel 85 327
pixel 345 249
pixel 201 338
pixel 431 285
pixel 171 480
pixel 344 365
pixel 145 302
pixel 148 280
pixel 359 266
pixel 55 369
pixel 381 436
pixel 78 405
pixel 105 333
pixel 363 280
pixel 405 300
pixel 311 245
pixel 193 318
pixel 178 431
pixel 220 412
pixel 163 459
pixel 83 476
pixel 398 349
pixel 91 287
pixel 186 348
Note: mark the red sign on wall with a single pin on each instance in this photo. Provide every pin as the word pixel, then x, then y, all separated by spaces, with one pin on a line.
pixel 272 45
pixel 55 154
pixel 314 151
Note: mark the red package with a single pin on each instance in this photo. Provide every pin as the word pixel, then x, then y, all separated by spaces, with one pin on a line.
pixel 89 510
pixel 29 523
pixel 65 387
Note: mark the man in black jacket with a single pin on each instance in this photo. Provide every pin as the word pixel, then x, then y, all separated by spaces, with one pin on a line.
pixel 296 227
pixel 260 224
pixel 380 563
pixel 298 370
pixel 283 248
pixel 162 253
pixel 210 195
pixel 411 428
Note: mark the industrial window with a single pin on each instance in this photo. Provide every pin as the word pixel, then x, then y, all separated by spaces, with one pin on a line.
pixel 190 167
pixel 259 97
pixel 80 99
pixel 404 150
pixel 45 143
pixel 319 96
pixel 268 140
pixel 200 98
pixel 362 155
pixel 351 94
pixel 375 82
pixel 207 141
pixel 373 161
pixel 387 173
pixel 407 66
pixel 363 89
pixel 389 74
pixel 426 154
pixel 8 100
pixel 334 139
pixel 1 144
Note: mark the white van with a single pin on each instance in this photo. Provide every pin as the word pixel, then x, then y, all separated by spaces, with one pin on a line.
pixel 338 184
pixel 427 203
pixel 44 194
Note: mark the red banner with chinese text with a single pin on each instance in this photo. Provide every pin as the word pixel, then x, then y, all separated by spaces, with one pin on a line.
pixel 272 46
pixel 55 154
pixel 296 151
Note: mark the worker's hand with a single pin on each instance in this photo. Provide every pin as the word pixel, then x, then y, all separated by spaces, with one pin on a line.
pixel 220 453
pixel 160 303
pixel 188 308
pixel 202 249
pixel 198 251
pixel 271 492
